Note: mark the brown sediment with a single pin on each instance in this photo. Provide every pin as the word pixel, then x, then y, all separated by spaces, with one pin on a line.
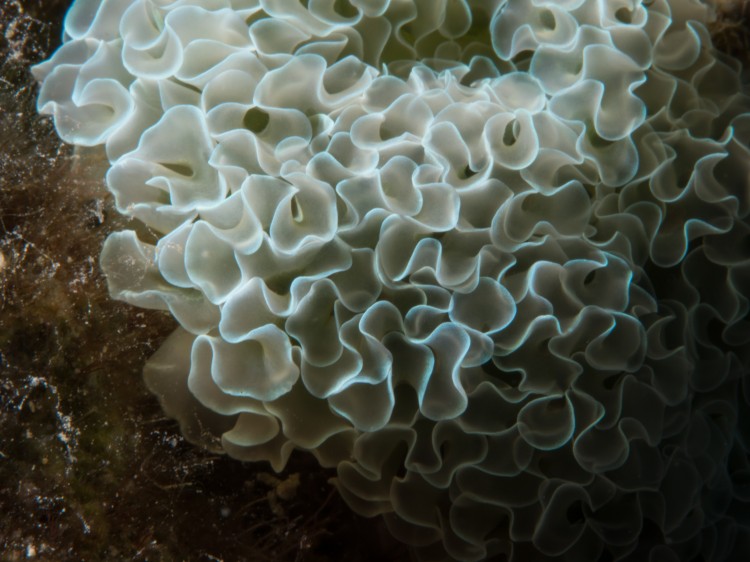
pixel 90 469
pixel 731 29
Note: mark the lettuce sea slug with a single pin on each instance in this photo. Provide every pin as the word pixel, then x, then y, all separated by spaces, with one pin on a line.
pixel 488 258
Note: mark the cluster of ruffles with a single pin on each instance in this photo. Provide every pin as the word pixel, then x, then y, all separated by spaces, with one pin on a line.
pixel 490 259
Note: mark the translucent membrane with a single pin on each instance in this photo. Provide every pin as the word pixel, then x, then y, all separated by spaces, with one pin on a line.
pixel 487 258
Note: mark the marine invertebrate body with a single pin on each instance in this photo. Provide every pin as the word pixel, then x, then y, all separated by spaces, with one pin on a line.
pixel 488 259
